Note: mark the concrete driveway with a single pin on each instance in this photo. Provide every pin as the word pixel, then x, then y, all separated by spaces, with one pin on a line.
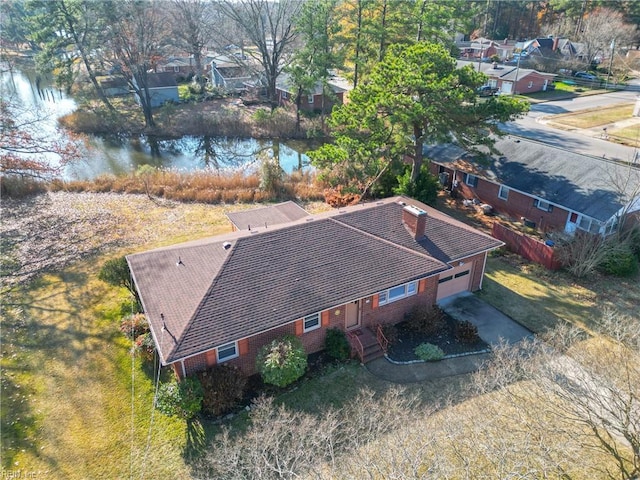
pixel 493 327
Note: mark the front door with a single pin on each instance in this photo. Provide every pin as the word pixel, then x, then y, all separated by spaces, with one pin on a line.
pixel 352 315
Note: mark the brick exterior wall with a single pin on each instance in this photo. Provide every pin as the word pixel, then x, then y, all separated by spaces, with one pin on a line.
pixel 476 270
pixel 371 314
pixel 516 206
pixel 535 79
pixel 316 106
pixel 394 312
pixel 313 341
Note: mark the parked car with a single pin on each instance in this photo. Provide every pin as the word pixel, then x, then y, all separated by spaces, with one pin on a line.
pixel 487 91
pixel 585 76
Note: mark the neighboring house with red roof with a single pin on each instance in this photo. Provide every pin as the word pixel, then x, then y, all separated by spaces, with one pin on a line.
pixel 222 298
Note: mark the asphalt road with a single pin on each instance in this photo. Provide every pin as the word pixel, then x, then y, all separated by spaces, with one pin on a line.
pixel 579 141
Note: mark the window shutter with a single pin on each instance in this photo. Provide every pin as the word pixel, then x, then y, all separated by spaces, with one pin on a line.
pixel 243 346
pixel 211 356
pixel 299 326
pixel 325 318
pixel 422 285
pixel 375 301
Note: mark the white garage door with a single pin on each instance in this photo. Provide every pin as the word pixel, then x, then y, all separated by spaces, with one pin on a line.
pixel 454 281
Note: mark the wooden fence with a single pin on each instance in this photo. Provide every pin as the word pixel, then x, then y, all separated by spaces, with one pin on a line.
pixel 528 247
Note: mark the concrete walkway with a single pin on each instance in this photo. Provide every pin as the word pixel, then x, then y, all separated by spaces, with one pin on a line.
pixel 494 327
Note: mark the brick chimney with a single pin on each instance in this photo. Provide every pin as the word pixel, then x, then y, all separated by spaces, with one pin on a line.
pixel 415 220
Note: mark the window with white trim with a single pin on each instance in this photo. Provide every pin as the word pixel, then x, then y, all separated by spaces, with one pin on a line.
pixel 176 69
pixel 284 94
pixel 588 224
pixel 530 85
pixel 227 352
pixel 470 180
pixel 503 193
pixel 311 322
pixel 310 99
pixel 397 293
pixel 542 205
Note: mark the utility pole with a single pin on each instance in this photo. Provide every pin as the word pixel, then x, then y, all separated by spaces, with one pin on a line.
pixel 612 47
pixel 515 82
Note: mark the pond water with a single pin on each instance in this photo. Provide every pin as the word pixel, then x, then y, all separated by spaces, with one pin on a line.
pixel 119 154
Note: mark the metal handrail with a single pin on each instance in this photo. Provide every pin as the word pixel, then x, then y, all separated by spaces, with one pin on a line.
pixel 358 345
pixel 382 340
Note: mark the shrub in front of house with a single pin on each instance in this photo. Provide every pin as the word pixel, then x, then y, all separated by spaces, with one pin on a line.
pixel 282 361
pixel 428 352
pixel 424 189
pixel 134 325
pixel 336 344
pixel 223 386
pixel 390 332
pixel 425 320
pixel 466 332
pixel 620 261
pixel 145 346
pixel 183 399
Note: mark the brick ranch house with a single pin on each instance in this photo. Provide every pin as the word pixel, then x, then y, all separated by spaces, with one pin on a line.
pixel 551 188
pixel 510 79
pixel 315 100
pixel 222 298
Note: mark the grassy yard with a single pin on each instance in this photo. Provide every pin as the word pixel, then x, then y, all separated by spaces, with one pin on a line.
pixel 74 405
pixel 68 406
pixel 595 117
pixel 627 135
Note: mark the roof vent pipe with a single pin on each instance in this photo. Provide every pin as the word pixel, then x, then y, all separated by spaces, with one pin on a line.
pixel 226 245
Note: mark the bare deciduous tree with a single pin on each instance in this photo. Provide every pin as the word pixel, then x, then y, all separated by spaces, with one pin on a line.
pixel 281 443
pixel 600 28
pixel 193 26
pixel 136 36
pixel 268 27
pixel 586 392
pixel 25 149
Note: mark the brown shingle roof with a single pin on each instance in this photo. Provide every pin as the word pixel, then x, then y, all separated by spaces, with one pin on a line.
pixel 207 295
pixel 445 238
pixel 272 215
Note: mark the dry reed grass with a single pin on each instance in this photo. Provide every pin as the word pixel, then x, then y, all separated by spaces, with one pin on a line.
pixel 202 186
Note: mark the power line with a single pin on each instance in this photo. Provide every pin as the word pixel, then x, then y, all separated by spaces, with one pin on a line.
pixel 157 366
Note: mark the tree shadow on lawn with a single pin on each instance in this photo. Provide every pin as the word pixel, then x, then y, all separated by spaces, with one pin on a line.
pixel 539 312
pixel 198 437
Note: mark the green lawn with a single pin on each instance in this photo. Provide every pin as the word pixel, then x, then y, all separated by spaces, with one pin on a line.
pixel 68 407
pixel 540 299
pixel 628 135
pixel 595 117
